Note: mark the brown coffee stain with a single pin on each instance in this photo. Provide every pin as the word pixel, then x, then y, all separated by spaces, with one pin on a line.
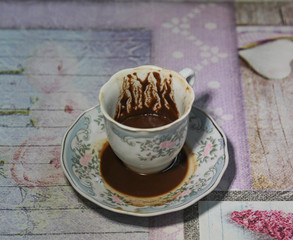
pixel 151 96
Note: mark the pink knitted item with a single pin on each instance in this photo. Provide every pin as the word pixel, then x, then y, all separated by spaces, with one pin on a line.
pixel 277 224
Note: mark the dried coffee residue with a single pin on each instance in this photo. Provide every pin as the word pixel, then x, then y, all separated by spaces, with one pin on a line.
pixel 151 96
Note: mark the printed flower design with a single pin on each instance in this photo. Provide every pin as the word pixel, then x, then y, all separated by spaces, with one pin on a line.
pixel 207 151
pixel 100 121
pixel 177 25
pixel 183 194
pixel 84 161
pixel 212 53
pixel 167 144
pixel 117 200
pixel 209 55
pixel 113 198
pixel 277 224
pixel 162 146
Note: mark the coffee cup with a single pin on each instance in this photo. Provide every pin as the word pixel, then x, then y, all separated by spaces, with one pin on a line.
pixel 139 107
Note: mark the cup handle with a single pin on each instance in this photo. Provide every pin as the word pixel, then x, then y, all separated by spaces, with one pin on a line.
pixel 189 75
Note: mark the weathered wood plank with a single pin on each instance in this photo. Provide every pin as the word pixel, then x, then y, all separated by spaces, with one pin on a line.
pixel 31 136
pixel 18 97
pixel 23 83
pixel 287 13
pixel 58 35
pixel 71 66
pixel 32 153
pixel 78 221
pixel 136 235
pixel 42 198
pixel 269 115
pixel 39 118
pixel 54 101
pixel 93 48
pixel 23 173
pixel 258 13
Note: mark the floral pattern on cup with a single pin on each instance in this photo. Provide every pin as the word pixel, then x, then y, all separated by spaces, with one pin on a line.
pixel 81 161
pixel 165 145
pixel 152 148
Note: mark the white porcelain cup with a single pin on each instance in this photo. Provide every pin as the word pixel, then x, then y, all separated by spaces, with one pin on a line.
pixel 147 150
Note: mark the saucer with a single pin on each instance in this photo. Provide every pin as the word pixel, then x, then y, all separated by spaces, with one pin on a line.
pixel 80 161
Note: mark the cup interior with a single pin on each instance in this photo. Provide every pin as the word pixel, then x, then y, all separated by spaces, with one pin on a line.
pixel 111 91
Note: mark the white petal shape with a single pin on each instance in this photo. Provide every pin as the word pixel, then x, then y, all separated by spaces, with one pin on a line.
pixel 198 67
pixel 191 15
pixel 176 30
pixel 214 50
pixel 205 62
pixel 185 25
pixel 198 43
pixel 205 48
pixel 167 25
pixel 223 55
pixel 175 20
pixel 178 54
pixel 218 111
pixel 215 59
pixel 210 26
pixel 214 84
pixel 185 33
pixel 227 117
pixel 205 54
pixel 184 19
pixel 272 59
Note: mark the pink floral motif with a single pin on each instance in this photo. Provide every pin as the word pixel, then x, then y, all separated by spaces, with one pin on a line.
pixel 167 144
pixel 185 193
pixel 207 149
pixel 277 224
pixel 116 199
pixel 84 161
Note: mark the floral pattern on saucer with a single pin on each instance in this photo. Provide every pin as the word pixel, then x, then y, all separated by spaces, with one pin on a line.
pixel 80 160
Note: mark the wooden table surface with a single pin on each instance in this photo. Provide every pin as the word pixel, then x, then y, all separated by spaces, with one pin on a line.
pixel 268 105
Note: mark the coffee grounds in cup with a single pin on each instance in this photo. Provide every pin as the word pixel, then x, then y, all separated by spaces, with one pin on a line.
pixel 146 121
pixel 146 103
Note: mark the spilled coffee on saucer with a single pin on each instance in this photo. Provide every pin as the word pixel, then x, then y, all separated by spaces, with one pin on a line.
pixel 146 102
